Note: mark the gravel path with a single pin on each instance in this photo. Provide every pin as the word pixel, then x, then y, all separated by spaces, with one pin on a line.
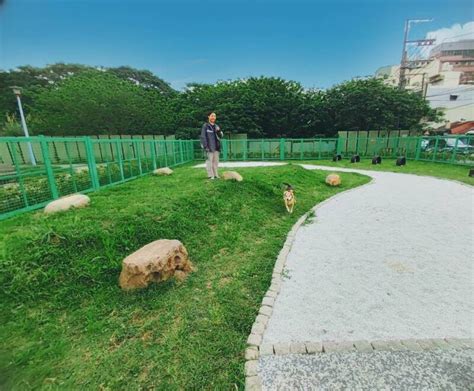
pixel 435 370
pixel 389 260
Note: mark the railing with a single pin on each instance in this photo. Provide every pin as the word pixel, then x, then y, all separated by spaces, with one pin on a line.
pixel 70 165
pixel 83 164
pixel 441 149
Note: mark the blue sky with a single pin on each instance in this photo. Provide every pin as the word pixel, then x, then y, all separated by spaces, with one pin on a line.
pixel 318 43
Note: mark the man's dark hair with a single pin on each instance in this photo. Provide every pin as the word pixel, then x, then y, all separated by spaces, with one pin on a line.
pixel 209 113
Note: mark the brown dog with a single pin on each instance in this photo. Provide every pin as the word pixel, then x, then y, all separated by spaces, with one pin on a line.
pixel 289 198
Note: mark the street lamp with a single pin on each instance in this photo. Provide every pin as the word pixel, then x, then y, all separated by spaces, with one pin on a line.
pixel 17 92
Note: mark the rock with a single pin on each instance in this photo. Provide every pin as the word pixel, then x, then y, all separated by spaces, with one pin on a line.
pixel 68 202
pixel 333 180
pixel 163 171
pixel 78 170
pixel 155 262
pixel 232 176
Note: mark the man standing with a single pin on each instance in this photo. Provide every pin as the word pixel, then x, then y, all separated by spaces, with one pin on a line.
pixel 210 140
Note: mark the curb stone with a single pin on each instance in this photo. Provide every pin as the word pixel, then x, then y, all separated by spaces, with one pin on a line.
pixel 251 368
pixel 253 383
pixel 251 353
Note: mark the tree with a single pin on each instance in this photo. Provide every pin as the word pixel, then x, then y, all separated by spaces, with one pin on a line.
pixel 95 102
pixel 369 104
pixel 33 79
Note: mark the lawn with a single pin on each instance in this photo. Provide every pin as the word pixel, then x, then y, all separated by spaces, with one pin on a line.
pixel 439 170
pixel 65 323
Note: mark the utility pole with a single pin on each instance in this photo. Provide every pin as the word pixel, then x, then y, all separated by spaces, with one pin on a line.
pixel 404 64
pixel 424 86
pixel 17 92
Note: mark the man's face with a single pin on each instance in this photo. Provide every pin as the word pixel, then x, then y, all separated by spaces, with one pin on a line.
pixel 212 118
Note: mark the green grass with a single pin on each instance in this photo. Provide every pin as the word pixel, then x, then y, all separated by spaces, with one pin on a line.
pixel 65 323
pixel 439 170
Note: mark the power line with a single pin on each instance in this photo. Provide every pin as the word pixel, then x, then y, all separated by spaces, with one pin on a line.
pixel 449 91
pixel 457 107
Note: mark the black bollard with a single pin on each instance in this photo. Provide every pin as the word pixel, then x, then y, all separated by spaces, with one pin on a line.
pixel 374 160
pixel 471 172
pixel 379 160
pixel 401 161
pixel 355 159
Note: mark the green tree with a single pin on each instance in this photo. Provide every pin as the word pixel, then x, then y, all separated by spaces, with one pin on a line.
pixel 96 102
pixel 369 104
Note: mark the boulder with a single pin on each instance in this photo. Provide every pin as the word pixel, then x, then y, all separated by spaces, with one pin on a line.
pixel 232 176
pixel 163 171
pixel 81 169
pixel 155 262
pixel 68 202
pixel 333 180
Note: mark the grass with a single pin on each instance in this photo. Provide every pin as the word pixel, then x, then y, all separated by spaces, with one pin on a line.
pixel 65 323
pixel 439 170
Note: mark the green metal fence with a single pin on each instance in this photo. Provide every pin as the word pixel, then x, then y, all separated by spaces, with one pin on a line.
pixel 441 149
pixel 82 164
pixel 70 165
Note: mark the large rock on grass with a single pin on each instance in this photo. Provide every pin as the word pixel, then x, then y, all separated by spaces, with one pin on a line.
pixel 155 262
pixel 65 203
pixel 232 176
pixel 163 171
pixel 333 180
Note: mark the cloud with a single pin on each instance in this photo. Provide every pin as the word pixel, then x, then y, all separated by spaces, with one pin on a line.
pixel 456 32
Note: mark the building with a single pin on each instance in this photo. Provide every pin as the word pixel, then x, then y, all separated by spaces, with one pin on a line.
pixel 457 103
pixel 445 78
pixel 462 127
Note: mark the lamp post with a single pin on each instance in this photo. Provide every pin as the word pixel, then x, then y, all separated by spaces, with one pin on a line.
pixel 17 92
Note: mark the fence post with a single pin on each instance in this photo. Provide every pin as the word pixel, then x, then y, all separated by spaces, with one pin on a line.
pixel 119 158
pixel 418 148
pixel 91 163
pixel 181 152
pixel 453 156
pixel 139 159
pixel 225 149
pixel 166 152
pixel 48 167
pixel 153 154
pixel 282 149
pixel 435 148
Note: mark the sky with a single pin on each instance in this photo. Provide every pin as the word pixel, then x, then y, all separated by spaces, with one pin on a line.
pixel 318 43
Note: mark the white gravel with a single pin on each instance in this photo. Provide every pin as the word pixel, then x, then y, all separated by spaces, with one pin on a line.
pixel 389 260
